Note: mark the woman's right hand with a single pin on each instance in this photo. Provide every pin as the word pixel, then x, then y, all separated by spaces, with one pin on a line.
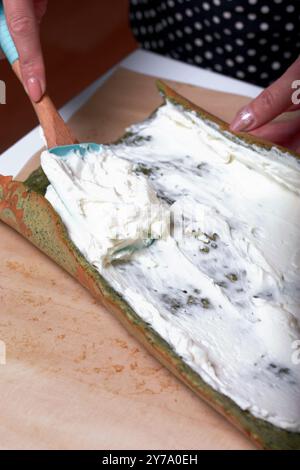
pixel 257 116
pixel 23 18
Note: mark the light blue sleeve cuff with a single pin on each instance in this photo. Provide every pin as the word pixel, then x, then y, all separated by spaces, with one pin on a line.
pixel 6 42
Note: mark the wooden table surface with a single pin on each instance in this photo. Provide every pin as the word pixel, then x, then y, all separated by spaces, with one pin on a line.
pixel 74 378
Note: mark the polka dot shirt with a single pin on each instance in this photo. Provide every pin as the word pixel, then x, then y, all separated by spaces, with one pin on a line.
pixel 253 40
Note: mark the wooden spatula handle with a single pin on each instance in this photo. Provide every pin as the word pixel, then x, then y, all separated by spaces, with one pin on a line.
pixel 55 129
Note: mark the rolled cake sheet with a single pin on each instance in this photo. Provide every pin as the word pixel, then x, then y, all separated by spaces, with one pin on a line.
pixel 219 305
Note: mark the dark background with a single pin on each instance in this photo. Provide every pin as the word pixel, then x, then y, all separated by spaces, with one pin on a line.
pixel 81 40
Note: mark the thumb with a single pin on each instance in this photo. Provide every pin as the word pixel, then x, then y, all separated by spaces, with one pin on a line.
pixel 23 25
pixel 273 101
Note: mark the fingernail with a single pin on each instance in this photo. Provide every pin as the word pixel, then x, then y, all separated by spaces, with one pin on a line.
pixel 34 88
pixel 243 121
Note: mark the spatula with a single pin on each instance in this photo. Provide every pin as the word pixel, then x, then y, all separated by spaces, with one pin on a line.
pixel 59 138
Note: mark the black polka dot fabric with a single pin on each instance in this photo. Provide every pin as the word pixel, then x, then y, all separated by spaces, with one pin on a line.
pixel 253 40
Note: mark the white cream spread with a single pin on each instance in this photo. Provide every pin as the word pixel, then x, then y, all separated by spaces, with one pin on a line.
pixel 224 289
pixel 116 210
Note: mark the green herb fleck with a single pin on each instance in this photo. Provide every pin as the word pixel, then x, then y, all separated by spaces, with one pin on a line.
pixel 222 284
pixel 192 300
pixel 232 277
pixel 205 302
pixel 144 169
pixel 214 237
pixel 283 371
pixel 131 138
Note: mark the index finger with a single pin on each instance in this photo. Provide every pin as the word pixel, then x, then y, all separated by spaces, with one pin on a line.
pixel 24 28
pixel 273 101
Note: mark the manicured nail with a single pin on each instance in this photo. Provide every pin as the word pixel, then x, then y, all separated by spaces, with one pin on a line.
pixel 243 121
pixel 34 89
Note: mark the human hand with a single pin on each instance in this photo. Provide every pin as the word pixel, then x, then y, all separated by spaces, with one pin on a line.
pixel 23 18
pixel 255 117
